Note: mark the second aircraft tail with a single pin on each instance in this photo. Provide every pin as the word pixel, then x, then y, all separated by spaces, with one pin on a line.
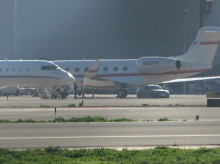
pixel 203 49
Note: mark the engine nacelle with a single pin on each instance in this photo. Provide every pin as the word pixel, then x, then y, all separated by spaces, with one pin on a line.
pixel 157 64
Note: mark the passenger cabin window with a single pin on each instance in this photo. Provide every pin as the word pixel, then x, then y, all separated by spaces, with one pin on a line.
pixel 6 70
pixel 76 69
pixel 105 69
pixel 115 69
pixel 86 69
pixel 49 67
pixel 125 69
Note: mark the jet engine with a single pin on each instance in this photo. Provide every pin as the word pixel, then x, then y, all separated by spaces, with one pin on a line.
pixel 158 64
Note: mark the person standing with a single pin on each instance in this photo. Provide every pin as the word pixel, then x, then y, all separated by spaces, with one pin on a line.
pixel 75 90
pixel 62 96
pixel 82 88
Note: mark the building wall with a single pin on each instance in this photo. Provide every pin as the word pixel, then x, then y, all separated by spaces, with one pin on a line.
pixel 73 29
pixel 6 29
pixel 213 20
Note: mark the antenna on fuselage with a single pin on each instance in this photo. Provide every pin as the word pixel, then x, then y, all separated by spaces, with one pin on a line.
pixel 6 59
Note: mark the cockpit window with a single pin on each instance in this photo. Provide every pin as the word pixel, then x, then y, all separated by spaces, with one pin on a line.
pixel 49 67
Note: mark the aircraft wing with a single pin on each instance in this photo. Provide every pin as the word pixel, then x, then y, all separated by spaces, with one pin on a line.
pixel 93 81
pixel 192 79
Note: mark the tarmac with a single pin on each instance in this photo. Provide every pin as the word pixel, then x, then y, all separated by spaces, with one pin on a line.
pixel 183 130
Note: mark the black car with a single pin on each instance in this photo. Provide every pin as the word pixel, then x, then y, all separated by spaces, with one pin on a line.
pixel 152 91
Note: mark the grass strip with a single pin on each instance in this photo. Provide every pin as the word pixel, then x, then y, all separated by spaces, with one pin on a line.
pixel 164 119
pixel 163 155
pixel 73 119
pixel 91 119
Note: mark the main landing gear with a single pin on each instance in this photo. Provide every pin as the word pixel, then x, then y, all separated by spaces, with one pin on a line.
pixel 122 93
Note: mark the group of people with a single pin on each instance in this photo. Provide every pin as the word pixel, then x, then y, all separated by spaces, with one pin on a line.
pixel 60 93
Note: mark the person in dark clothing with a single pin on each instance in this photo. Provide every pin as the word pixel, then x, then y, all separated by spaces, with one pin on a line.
pixel 82 88
pixel 75 90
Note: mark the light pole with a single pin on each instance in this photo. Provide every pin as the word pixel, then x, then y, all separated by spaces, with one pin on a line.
pixel 184 29
pixel 15 29
pixel 205 10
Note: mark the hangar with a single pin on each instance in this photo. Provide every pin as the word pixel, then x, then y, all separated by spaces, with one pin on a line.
pixel 70 29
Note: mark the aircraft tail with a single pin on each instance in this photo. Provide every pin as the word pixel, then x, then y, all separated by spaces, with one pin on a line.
pixel 93 69
pixel 203 49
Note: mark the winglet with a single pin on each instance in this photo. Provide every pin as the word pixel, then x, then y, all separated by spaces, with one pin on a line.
pixel 93 69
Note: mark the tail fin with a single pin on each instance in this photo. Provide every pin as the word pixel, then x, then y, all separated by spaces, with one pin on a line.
pixel 203 49
pixel 93 69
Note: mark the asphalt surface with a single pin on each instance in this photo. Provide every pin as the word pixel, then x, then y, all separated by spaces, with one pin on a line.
pixel 103 101
pixel 135 113
pixel 182 130
pixel 82 135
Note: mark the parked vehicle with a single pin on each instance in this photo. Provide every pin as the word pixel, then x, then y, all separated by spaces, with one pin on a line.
pixel 10 91
pixel 152 91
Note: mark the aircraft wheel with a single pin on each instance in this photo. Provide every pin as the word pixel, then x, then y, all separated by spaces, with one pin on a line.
pixel 125 93
pixel 79 93
pixel 122 93
pixel 139 95
pixel 119 93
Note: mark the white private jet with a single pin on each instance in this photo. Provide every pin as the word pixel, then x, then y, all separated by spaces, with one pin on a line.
pixel 130 73
pixel 33 73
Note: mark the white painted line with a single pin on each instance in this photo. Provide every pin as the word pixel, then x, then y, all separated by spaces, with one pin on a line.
pixel 89 137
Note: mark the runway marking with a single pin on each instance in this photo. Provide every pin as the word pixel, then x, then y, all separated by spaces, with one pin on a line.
pixel 85 137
